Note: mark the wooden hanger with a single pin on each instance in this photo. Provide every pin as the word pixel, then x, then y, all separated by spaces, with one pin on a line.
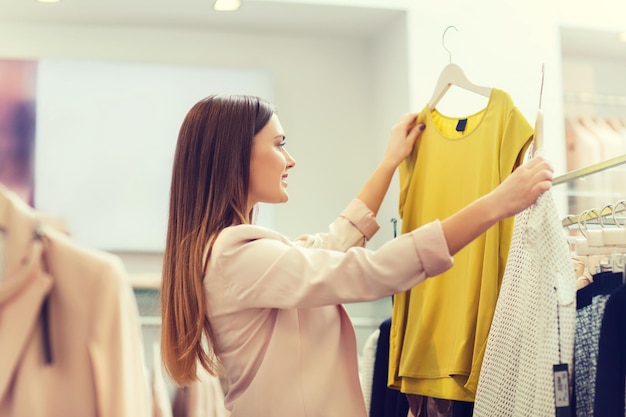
pixel 538 137
pixel 615 236
pixel 605 240
pixel 453 74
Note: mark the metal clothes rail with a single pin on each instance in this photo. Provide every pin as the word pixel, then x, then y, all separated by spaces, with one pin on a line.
pixel 594 98
pixel 595 216
pixel 591 169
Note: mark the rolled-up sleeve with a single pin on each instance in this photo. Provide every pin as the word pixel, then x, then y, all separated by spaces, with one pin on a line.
pixel 432 248
pixel 354 227
pixel 361 217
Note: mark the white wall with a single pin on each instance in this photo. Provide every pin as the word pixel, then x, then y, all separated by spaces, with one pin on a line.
pixel 388 60
pixel 106 138
pixel 322 90
pixel 599 14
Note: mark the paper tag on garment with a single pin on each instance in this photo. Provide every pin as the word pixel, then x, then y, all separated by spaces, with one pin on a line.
pixel 561 390
pixel 460 126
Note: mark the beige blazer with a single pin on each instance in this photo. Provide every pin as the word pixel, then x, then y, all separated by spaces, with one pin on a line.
pixel 96 364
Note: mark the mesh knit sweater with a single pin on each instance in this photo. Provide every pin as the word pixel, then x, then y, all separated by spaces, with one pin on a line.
pixel 527 336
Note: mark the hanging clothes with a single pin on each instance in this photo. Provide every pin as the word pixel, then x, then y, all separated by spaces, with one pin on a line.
pixel 70 339
pixel 367 361
pixel 533 325
pixel 439 328
pixel 611 366
pixel 161 403
pixel 590 305
pixel 203 398
pixel 435 407
pixel 385 402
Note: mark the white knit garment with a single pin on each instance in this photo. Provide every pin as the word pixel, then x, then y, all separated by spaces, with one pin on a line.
pixel 516 377
pixel 367 361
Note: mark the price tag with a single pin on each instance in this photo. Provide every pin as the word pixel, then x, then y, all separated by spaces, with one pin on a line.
pixel 561 390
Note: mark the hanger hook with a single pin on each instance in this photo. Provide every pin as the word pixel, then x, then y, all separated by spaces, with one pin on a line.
pixel 604 211
pixel 615 211
pixel 443 41
pixel 582 222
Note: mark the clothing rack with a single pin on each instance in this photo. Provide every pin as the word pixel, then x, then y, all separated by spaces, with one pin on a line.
pixel 594 98
pixel 594 216
pixel 589 170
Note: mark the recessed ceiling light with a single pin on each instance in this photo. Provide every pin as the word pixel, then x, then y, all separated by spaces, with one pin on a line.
pixel 622 36
pixel 226 5
pixel 48 1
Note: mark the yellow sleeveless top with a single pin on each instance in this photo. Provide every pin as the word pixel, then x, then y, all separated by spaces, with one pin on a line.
pixel 440 327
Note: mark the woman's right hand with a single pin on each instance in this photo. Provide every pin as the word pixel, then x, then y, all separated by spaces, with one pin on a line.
pixel 402 139
pixel 523 187
pixel 516 193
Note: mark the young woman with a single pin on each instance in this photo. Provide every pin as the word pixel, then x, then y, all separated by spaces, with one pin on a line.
pixel 264 312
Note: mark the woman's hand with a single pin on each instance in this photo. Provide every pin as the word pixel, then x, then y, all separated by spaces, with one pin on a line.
pixel 522 188
pixel 516 193
pixel 402 139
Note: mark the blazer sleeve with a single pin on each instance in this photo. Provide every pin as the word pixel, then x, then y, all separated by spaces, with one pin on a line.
pixel 116 348
pixel 253 267
pixel 354 227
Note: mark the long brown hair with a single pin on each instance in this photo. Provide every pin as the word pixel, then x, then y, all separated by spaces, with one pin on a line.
pixel 209 192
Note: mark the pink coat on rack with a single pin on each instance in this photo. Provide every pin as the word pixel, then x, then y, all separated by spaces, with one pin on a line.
pixel 81 355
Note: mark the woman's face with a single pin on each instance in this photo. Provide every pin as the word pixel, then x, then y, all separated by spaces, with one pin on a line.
pixel 269 164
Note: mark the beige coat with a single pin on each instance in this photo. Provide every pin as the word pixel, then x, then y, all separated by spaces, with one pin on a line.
pixel 97 365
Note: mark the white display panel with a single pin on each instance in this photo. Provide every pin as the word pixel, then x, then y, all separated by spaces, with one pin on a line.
pixel 106 134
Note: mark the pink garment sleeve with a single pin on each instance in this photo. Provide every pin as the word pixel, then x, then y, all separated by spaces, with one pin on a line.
pixel 354 227
pixel 361 217
pixel 432 248
pixel 259 268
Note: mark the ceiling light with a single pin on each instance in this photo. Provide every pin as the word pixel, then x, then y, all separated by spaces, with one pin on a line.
pixel 622 36
pixel 226 5
pixel 48 1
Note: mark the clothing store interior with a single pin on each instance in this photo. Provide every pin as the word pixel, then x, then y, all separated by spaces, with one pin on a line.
pixel 92 95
